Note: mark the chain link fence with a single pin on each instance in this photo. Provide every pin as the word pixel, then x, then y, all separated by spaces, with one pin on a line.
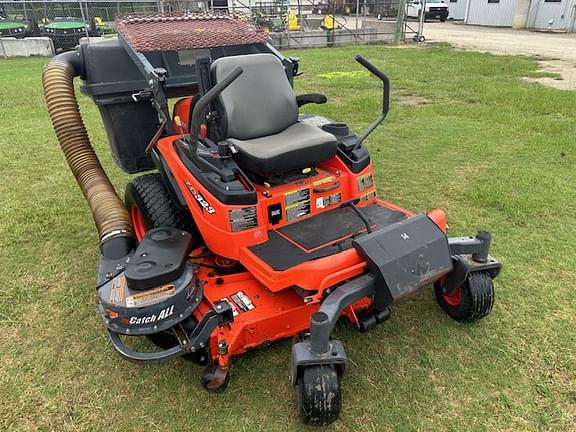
pixel 291 23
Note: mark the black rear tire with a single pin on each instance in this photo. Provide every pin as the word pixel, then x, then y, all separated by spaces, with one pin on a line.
pixel 318 395
pixel 149 194
pixel 471 301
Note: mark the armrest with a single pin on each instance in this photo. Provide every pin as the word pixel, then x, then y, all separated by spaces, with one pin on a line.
pixel 316 98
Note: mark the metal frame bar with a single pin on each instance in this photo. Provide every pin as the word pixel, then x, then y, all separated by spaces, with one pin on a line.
pixel 322 322
pixel 197 339
pixel 477 246
pixel 155 78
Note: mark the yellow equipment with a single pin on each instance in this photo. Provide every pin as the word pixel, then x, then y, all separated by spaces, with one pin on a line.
pixel 293 24
pixel 328 23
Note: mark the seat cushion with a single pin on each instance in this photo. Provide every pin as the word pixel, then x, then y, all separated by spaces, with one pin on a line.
pixel 298 146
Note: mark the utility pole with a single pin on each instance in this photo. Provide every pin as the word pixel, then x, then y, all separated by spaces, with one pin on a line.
pixel 398 35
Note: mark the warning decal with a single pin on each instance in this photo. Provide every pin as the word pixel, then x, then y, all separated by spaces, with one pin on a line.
pixel 323 181
pixel 117 291
pixel 151 296
pixel 297 203
pixel 328 200
pixel 365 182
pixel 368 196
pixel 242 219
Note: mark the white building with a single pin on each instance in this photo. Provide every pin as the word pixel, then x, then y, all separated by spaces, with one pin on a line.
pixel 491 12
pixel 536 14
pixel 556 15
pixel 457 9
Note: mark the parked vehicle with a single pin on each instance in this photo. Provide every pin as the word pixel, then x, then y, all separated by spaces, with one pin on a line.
pixel 339 7
pixel 433 9
pixel 16 26
pixel 66 32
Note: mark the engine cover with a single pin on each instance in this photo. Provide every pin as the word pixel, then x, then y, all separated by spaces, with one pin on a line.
pixel 141 312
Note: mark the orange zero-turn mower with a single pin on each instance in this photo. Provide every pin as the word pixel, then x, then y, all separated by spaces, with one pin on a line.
pixel 257 223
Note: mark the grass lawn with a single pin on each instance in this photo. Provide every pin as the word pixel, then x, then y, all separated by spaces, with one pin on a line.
pixel 496 152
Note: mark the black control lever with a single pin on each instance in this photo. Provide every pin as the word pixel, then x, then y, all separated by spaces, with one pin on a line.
pixel 352 204
pixel 204 101
pixel 385 97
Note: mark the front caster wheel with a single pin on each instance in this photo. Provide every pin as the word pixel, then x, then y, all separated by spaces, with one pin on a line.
pixel 318 395
pixel 215 379
pixel 469 302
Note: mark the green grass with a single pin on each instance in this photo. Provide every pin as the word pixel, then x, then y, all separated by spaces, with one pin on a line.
pixel 496 152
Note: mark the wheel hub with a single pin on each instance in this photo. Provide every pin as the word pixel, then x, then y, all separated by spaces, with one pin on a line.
pixel 454 298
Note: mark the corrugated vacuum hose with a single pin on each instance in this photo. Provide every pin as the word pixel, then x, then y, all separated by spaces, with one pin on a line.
pixel 111 217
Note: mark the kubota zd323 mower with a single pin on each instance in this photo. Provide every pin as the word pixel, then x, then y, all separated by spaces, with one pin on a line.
pixel 259 223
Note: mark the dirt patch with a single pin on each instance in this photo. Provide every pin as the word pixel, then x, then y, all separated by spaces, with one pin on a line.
pixel 556 52
pixel 413 100
pixel 566 75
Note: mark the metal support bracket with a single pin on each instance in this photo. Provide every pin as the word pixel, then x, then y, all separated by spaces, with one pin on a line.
pixel 477 246
pixel 197 339
pixel 302 356
pixel 319 348
pixel 470 254
pixel 156 80
pixel 463 266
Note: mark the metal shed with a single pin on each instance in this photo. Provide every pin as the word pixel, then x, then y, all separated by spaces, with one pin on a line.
pixel 542 14
pixel 457 9
pixel 553 15
pixel 498 13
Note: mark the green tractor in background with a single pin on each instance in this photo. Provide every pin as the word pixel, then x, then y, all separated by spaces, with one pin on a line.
pixel 16 26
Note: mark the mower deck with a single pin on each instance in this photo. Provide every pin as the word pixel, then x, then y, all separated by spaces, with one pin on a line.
pixel 273 316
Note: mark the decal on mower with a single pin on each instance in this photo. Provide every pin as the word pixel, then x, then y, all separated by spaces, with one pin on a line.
pixel 239 302
pixel 204 205
pixel 165 313
pixel 117 291
pixel 323 181
pixel 151 296
pixel 365 182
pixel 297 203
pixel 368 196
pixel 243 218
pixel 329 200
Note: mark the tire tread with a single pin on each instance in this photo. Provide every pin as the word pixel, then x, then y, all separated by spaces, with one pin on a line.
pixel 477 298
pixel 151 196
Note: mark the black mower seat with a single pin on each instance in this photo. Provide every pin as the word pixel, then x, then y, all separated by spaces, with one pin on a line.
pixel 260 118
pixel 297 146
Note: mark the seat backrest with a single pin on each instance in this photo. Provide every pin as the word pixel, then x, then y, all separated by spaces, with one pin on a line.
pixel 260 102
